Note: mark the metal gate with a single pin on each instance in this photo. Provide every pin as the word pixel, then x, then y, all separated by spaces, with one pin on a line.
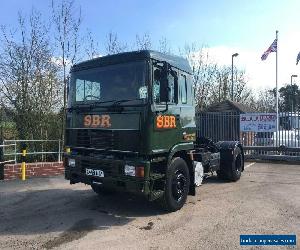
pixel 281 145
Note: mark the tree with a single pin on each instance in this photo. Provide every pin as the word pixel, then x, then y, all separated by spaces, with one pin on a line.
pixel 67 23
pixel 143 42
pixel 212 82
pixel 203 73
pixel 29 86
pixel 164 46
pixel 113 45
pixel 266 101
pixel 289 98
pixel 92 46
pixel 222 89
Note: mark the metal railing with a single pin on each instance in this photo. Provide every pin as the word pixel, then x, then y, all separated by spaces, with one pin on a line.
pixel 12 149
pixel 285 143
pixel 2 148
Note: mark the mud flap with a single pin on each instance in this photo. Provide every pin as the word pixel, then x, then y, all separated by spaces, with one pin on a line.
pixel 192 189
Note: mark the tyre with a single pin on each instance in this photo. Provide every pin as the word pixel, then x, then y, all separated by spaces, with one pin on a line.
pixel 232 170
pixel 101 190
pixel 176 185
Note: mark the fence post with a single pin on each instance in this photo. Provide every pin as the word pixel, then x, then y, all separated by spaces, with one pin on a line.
pixel 15 152
pixel 1 164
pixel 42 142
pixel 59 155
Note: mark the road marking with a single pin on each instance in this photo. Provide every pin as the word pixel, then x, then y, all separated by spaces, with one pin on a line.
pixel 249 165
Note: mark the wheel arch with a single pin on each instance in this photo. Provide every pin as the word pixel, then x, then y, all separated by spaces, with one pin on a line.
pixel 182 151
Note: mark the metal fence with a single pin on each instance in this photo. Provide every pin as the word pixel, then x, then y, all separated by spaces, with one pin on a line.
pixel 283 144
pixel 2 150
pixel 37 150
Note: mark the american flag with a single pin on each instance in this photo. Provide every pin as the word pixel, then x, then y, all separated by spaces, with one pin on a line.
pixel 298 58
pixel 272 48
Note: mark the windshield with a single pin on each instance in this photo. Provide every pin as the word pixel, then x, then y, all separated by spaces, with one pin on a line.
pixel 125 81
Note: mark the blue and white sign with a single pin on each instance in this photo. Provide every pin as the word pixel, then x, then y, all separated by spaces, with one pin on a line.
pixel 268 240
pixel 258 122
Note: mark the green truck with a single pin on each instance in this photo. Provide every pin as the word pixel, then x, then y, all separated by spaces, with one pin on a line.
pixel 130 127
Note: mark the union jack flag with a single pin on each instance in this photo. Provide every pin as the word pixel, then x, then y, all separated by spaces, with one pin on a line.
pixel 298 58
pixel 272 48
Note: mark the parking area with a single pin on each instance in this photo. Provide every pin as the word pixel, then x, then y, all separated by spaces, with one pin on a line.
pixel 49 213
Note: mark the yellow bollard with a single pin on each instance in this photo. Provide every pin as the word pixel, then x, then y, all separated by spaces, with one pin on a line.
pixel 23 165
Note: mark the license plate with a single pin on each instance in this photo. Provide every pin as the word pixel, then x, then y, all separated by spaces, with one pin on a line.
pixel 94 172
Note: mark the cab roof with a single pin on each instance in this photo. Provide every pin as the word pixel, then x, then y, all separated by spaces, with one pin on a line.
pixel 175 61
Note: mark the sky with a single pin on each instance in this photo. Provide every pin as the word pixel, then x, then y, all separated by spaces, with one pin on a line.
pixel 225 27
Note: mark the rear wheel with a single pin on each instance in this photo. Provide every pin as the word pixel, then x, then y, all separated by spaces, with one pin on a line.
pixel 232 170
pixel 176 185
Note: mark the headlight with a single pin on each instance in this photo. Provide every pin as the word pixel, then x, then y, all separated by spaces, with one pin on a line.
pixel 137 171
pixel 129 170
pixel 71 162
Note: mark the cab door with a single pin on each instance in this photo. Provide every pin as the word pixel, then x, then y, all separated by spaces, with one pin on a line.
pixel 187 108
pixel 166 124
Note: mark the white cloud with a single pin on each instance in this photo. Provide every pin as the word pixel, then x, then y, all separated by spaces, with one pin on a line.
pixel 262 73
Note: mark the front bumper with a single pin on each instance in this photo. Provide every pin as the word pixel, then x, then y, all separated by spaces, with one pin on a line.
pixel 114 175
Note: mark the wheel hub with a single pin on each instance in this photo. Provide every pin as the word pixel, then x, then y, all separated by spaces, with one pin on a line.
pixel 178 186
pixel 238 163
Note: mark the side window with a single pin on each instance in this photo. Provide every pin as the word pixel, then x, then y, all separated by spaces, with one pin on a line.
pixel 156 85
pixel 183 89
pixel 171 81
pixel 159 90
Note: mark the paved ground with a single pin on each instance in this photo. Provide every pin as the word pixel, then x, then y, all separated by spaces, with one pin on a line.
pixel 49 213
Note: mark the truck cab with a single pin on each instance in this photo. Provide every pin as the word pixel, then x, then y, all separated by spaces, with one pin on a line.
pixel 130 126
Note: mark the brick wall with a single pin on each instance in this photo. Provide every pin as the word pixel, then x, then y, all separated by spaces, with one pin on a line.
pixel 13 171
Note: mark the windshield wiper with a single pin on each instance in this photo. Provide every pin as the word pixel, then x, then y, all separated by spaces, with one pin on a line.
pixel 115 103
pixel 89 106
pixel 118 102
pixel 100 102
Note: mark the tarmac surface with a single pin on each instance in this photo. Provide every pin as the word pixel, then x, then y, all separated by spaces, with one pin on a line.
pixel 48 213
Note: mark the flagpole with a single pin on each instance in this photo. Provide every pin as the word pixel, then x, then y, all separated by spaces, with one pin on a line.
pixel 277 113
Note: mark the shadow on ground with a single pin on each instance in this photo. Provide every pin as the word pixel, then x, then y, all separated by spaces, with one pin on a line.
pixel 213 179
pixel 73 212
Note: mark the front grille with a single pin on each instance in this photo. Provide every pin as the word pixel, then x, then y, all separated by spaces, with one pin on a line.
pixel 123 140
pixel 110 168
pixel 90 138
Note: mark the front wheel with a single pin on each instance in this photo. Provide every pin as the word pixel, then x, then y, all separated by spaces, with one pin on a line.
pixel 176 185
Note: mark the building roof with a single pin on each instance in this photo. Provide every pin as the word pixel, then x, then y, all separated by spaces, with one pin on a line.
pixel 229 106
pixel 176 61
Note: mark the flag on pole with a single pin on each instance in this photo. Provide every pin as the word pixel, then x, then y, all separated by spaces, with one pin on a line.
pixel 272 48
pixel 298 58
